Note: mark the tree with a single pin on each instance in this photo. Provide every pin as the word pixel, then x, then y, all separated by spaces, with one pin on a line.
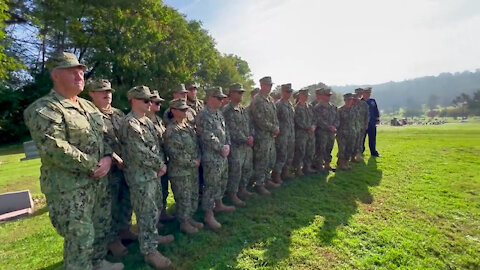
pixel 8 63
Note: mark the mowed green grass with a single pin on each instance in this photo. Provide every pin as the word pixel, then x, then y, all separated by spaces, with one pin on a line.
pixel 416 207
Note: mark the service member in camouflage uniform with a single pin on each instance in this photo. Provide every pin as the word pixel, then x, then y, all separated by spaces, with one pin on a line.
pixel 179 91
pixel 183 153
pixel 285 141
pixel 144 164
pixel 346 132
pixel 76 158
pixel 101 93
pixel 326 115
pixel 158 123
pixel 265 122
pixel 364 117
pixel 304 134
pixel 192 100
pixel 240 160
pixel 215 145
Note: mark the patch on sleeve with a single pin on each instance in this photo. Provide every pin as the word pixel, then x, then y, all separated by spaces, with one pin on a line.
pixel 49 114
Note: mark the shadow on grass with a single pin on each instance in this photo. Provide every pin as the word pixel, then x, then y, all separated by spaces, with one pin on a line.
pixel 259 235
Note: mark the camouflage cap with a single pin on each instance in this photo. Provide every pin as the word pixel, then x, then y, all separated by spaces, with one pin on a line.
pixel 275 94
pixel 179 104
pixel 139 92
pixel 303 91
pixel 180 89
pixel 324 91
pixel 236 87
pixel 100 86
pixel 349 96
pixel 191 85
pixel 255 91
pixel 367 89
pixel 156 96
pixel 359 90
pixel 266 80
pixel 215 91
pixel 63 60
pixel 287 87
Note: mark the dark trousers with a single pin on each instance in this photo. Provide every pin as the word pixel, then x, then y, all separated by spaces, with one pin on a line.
pixel 372 139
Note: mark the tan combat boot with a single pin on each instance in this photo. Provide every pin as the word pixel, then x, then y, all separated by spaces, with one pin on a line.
pixel 286 174
pixel 276 177
pixel 243 192
pixel 157 260
pixel 220 207
pixel 262 190
pixel 187 228
pixel 299 171
pixel 210 220
pixel 235 200
pixel 308 169
pixel 271 184
pixel 165 239
pixel 196 224
pixel 106 265
pixel 341 165
pixel 117 248
pixel 127 235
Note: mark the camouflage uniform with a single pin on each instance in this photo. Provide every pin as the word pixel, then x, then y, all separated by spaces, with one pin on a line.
pixel 196 105
pixel 346 132
pixel 265 121
pixel 160 128
pixel 285 142
pixel 143 158
pixel 121 206
pixel 363 116
pixel 240 163
pixel 213 136
pixel 304 141
pixel 182 149
pixel 70 140
pixel 326 115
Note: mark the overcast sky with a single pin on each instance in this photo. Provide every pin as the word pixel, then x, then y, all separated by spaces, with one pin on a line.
pixel 343 42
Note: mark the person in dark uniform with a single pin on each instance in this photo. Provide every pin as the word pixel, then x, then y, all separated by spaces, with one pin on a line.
pixel 372 123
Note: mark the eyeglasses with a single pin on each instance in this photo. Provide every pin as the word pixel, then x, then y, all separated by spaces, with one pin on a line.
pixel 146 101
pixel 157 103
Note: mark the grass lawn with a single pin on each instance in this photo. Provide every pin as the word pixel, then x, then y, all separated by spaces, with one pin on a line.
pixel 416 207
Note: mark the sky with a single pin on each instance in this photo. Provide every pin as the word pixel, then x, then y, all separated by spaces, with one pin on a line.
pixel 343 42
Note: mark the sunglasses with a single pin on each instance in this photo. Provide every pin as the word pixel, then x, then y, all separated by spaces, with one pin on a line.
pixel 146 101
pixel 157 103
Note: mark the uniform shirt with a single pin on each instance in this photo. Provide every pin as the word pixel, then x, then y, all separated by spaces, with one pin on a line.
pixel 212 134
pixel 70 138
pixel 113 120
pixel 182 149
pixel 346 120
pixel 264 115
pixel 285 115
pixel 303 117
pixel 142 152
pixel 238 123
pixel 196 105
pixel 326 115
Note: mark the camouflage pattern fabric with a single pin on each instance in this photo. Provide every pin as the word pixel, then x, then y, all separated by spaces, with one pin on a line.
pixel 362 116
pixel 240 163
pixel 143 158
pixel 303 122
pixel 120 194
pixel 326 115
pixel 265 121
pixel 346 133
pixel 182 149
pixel 212 136
pixel 285 142
pixel 196 105
pixel 70 138
pixel 160 128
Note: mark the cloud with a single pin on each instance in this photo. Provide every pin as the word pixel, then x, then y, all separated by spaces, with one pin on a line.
pixel 347 42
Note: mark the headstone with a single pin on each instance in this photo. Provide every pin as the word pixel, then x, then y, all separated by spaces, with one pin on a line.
pixel 31 151
pixel 14 204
